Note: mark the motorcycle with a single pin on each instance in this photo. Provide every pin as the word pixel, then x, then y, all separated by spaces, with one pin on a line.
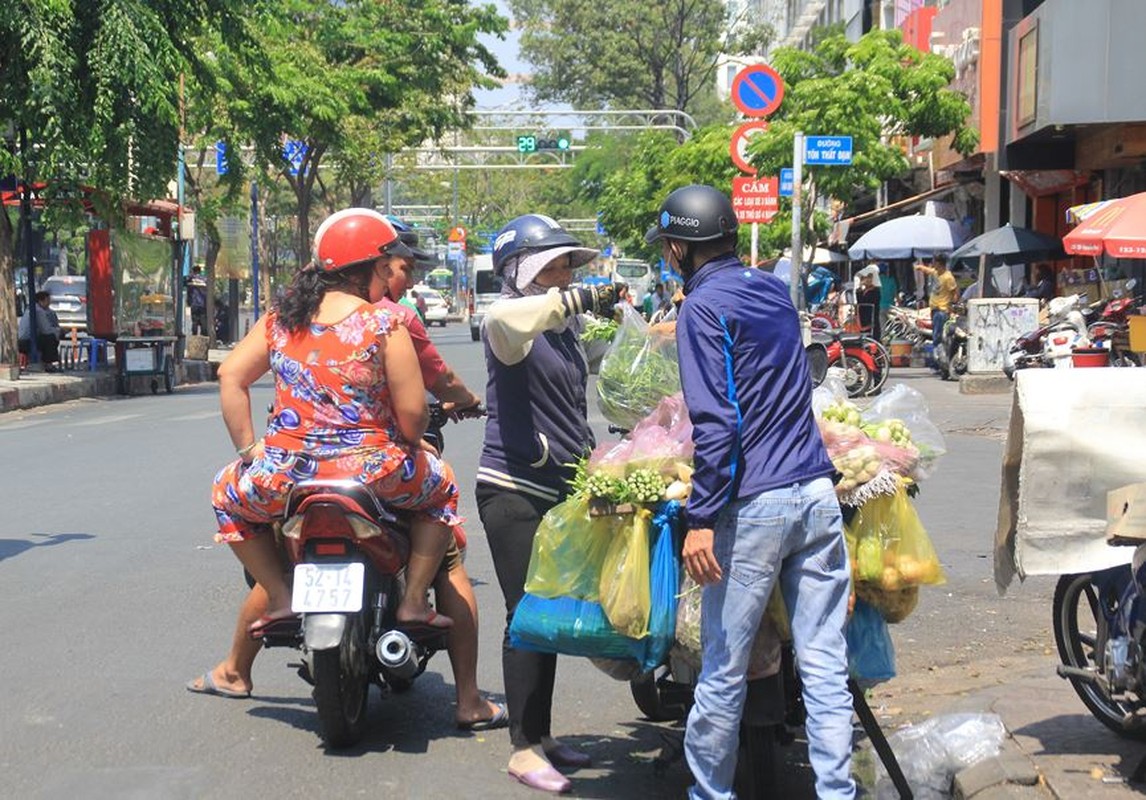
pixel 1111 331
pixel 952 354
pixel 1100 631
pixel 1052 344
pixel 349 551
pixel 911 324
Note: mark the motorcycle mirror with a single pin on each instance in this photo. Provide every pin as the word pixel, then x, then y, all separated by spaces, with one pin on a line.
pixel 1130 284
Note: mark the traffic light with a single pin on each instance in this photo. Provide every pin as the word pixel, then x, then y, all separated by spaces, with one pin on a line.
pixel 531 143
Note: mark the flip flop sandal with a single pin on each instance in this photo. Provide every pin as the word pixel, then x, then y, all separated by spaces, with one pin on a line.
pixel 207 686
pixel 498 720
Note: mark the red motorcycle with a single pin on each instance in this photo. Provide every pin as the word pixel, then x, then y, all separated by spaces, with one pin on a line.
pixel 1112 329
pixel 349 552
pixel 863 359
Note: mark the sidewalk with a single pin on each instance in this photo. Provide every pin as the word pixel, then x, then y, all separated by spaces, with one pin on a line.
pixel 37 388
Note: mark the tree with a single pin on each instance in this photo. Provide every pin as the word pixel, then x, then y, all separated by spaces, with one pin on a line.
pixel 875 90
pixel 628 53
pixel 89 95
pixel 359 78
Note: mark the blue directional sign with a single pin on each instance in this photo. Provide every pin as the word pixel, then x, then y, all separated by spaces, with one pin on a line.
pixel 220 158
pixel 786 181
pixel 828 150
pixel 294 152
pixel 601 226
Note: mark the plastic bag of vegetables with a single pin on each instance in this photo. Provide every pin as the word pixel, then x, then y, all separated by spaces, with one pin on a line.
pixel 569 551
pixel 639 370
pixel 662 441
pixel 625 585
pixel 902 413
pixel 889 546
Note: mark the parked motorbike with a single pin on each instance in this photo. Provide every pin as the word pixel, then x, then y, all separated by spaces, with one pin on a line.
pixel 349 551
pixel 1100 631
pixel 1111 330
pixel 952 354
pixel 1052 344
pixel 912 324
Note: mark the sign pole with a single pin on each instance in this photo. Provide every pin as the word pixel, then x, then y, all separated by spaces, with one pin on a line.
pixel 755 241
pixel 797 258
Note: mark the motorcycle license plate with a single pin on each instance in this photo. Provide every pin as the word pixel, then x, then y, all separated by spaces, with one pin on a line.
pixel 327 588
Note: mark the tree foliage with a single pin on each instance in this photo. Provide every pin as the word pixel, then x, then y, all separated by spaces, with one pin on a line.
pixel 93 86
pixel 360 78
pixel 627 53
pixel 874 90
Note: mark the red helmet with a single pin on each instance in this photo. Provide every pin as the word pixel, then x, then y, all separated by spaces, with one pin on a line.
pixel 354 235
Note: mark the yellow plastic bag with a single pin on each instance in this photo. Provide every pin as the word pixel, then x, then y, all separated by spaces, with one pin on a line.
pixel 569 550
pixel 889 547
pixel 626 596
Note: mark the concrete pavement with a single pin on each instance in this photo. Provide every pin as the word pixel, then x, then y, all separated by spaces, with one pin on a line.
pixel 1055 747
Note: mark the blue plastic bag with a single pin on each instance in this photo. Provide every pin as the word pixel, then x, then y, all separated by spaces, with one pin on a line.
pixel 575 627
pixel 871 655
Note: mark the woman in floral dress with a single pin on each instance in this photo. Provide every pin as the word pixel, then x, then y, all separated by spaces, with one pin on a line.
pixel 349 404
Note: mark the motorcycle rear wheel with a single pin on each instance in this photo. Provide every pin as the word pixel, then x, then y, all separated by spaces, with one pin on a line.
pixel 651 699
pixel 1077 621
pixel 342 686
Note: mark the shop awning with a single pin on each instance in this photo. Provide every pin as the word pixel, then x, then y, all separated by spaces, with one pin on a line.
pixel 1041 182
pixel 841 229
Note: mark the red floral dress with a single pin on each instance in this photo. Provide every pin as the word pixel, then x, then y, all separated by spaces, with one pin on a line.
pixel 332 418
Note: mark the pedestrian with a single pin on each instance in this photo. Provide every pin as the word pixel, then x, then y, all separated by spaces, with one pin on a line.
pixel 942 295
pixel 47 332
pixel 349 404
pixel 763 508
pixel 536 429
pixel 888 291
pixel 1043 289
pixel 867 300
pixel 197 300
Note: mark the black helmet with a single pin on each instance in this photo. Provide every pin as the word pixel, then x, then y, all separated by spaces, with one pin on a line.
pixel 694 214
pixel 527 233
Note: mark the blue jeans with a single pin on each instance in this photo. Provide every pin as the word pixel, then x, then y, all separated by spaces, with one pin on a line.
pixel 796 532
pixel 938 320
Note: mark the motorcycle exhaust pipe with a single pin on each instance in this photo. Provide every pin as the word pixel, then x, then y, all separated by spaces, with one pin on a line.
pixel 397 654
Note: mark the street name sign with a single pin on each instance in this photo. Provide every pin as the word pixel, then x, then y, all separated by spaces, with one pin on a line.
pixel 786 181
pixel 827 150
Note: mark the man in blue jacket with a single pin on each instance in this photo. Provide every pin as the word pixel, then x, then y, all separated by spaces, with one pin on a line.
pixel 763 508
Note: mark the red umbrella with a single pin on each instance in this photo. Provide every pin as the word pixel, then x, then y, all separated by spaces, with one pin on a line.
pixel 1116 227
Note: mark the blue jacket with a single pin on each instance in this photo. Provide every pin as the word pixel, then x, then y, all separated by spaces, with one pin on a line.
pixel 747 386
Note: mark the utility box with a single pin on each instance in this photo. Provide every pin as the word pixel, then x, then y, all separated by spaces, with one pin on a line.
pixel 993 324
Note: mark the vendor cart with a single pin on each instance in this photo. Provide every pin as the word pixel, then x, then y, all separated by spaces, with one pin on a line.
pixel 145 356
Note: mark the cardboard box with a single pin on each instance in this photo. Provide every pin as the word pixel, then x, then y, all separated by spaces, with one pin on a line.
pixel 1126 514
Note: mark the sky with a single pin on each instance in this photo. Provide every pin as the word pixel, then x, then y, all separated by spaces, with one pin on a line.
pixel 508 96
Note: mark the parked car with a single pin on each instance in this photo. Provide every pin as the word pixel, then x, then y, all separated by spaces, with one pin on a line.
pixel 69 301
pixel 434 307
pixel 485 288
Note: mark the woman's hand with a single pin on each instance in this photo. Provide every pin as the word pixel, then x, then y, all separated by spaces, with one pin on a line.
pixel 255 452
pixel 429 448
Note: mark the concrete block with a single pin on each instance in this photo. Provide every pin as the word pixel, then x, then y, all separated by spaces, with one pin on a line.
pixel 1009 767
pixel 986 383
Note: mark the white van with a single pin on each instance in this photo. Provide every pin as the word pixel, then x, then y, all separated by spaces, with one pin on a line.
pixel 485 287
pixel 637 274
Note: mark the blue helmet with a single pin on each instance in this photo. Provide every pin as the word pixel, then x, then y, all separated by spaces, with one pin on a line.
pixel 409 237
pixel 526 234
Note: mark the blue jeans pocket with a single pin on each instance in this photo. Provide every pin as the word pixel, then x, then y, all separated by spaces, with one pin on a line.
pixel 753 549
pixel 828 524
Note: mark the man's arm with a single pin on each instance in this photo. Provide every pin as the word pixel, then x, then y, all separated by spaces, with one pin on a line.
pixel 703 345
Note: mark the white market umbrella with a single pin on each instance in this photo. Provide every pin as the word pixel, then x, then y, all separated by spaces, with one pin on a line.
pixel 917 236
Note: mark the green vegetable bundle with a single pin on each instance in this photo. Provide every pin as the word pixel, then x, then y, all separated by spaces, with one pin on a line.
pixel 638 372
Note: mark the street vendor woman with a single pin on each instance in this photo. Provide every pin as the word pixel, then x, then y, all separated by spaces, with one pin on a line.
pixel 763 507
pixel 536 428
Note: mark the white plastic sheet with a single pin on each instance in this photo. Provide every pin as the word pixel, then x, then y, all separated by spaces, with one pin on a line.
pixel 1075 435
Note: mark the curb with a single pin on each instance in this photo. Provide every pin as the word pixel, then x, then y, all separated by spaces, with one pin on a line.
pixel 42 389
pixel 987 383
